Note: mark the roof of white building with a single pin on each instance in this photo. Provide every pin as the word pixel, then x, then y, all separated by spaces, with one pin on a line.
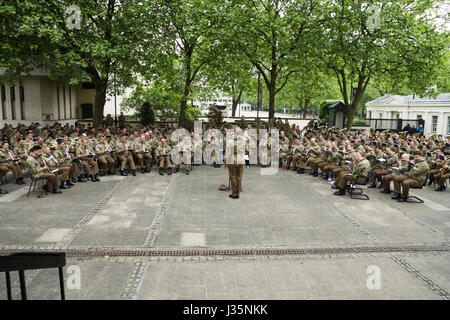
pixel 442 99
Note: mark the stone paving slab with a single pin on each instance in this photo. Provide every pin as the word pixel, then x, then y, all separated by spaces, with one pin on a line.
pixel 180 211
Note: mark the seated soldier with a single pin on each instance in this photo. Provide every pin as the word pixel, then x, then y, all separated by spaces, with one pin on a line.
pixel 443 175
pixel 313 153
pixel 162 153
pixel 359 172
pixel 64 157
pixel 142 152
pixel 103 152
pixel 124 155
pixel 3 171
pixel 399 170
pixel 39 170
pixel 414 177
pixel 55 167
pixel 185 155
pixel 8 159
pixel 86 156
pixel 387 160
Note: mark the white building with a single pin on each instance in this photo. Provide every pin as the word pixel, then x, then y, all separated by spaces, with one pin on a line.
pixel 435 112
pixel 40 99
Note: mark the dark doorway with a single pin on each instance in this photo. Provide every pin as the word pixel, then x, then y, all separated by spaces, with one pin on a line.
pixel 87 111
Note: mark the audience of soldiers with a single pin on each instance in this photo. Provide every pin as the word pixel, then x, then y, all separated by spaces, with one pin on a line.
pixel 80 153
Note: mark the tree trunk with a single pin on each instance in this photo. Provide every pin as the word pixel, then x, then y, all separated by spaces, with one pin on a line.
pixel 305 107
pixel 99 104
pixel 235 103
pixel 183 119
pixel 271 101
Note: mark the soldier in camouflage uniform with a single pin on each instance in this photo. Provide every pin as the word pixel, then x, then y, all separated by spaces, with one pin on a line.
pixel 162 153
pixel 39 170
pixel 103 152
pixel 359 173
pixel 9 160
pixel 443 175
pixel 414 177
pixel 124 155
pixel 185 155
pixel 86 156
pixel 54 165
pixel 63 157
pixel 143 151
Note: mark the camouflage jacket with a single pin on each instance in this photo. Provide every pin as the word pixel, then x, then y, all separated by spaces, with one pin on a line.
pixel 6 155
pixel 35 166
pixel 162 150
pixel 419 171
pixel 62 155
pixel 81 151
pixel 361 170
pixel 103 149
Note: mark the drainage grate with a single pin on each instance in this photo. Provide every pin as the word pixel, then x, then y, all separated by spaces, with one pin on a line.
pixel 92 252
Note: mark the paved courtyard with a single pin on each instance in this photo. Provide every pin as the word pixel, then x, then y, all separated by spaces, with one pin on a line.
pixel 185 214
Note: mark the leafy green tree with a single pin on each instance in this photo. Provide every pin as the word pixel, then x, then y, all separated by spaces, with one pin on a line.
pixel 145 114
pixel 191 28
pixel 404 47
pixel 274 35
pixel 107 45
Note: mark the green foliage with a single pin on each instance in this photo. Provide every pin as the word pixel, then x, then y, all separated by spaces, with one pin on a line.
pixel 324 112
pixel 145 114
pixel 215 115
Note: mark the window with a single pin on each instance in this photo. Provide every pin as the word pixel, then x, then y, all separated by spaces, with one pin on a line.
pixel 87 85
pixel 419 116
pixel 434 120
pixel 380 115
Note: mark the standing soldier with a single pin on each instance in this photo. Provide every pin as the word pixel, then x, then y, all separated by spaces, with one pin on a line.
pixel 121 121
pixel 235 165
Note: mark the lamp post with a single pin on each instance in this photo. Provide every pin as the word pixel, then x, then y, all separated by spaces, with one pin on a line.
pixel 259 95
pixel 115 102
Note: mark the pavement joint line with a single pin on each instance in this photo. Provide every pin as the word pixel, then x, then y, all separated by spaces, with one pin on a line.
pixel 429 283
pixel 70 236
pixel 352 221
pixel 418 221
pixel 155 227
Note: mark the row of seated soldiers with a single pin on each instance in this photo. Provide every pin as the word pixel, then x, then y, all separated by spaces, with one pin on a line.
pixel 64 153
pixel 341 156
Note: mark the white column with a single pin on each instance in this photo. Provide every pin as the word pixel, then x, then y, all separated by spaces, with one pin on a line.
pixel 8 103
pixel 67 102
pixel 17 103
pixel 61 102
